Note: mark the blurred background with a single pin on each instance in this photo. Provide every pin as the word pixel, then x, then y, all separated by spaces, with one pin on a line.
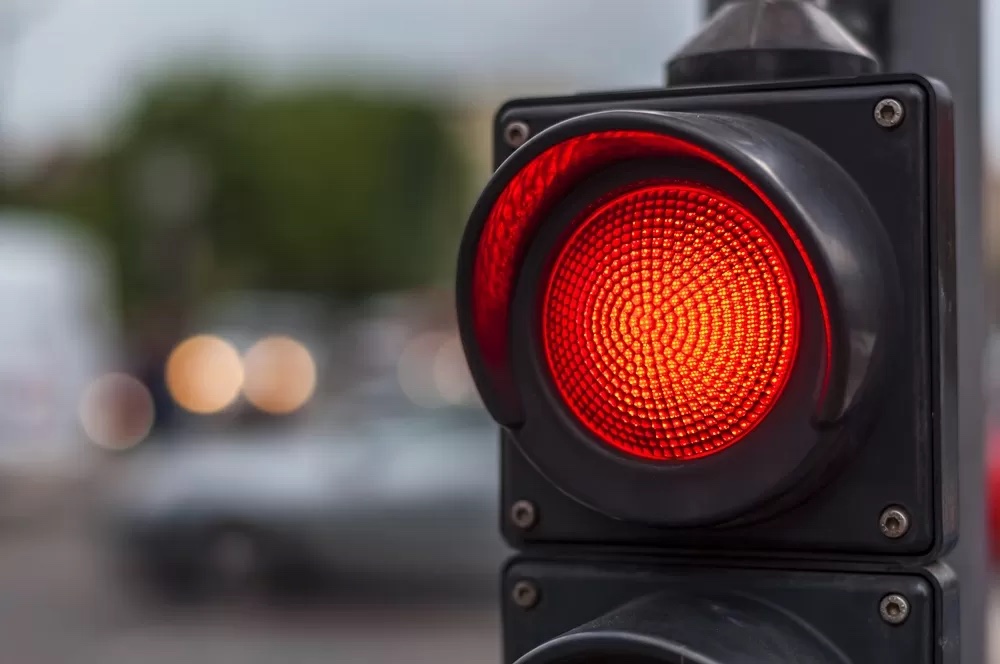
pixel 235 420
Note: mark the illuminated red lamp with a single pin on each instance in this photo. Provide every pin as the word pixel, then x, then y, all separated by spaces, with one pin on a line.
pixel 670 321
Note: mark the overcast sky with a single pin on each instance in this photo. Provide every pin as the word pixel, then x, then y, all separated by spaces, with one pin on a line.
pixel 76 61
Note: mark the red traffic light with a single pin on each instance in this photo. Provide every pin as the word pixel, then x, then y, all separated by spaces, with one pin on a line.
pixel 670 321
pixel 719 403
pixel 669 288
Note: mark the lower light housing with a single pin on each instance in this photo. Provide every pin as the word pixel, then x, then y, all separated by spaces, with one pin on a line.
pixel 697 628
pixel 699 611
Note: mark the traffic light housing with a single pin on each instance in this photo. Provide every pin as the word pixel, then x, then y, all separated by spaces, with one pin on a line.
pixel 717 326
pixel 591 612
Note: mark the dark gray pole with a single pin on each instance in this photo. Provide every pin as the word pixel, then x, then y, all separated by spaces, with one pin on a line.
pixel 942 39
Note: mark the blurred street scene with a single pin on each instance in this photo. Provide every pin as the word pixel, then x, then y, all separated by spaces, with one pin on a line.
pixel 236 424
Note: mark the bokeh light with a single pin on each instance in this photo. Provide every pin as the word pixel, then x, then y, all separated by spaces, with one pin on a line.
pixel 279 375
pixel 116 411
pixel 204 374
pixel 451 374
pixel 416 370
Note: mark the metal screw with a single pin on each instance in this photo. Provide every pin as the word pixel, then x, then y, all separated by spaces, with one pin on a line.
pixel 525 594
pixel 894 609
pixel 889 113
pixel 524 514
pixel 516 133
pixel 894 522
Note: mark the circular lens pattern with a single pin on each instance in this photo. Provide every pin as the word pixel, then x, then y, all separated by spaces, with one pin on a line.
pixel 670 321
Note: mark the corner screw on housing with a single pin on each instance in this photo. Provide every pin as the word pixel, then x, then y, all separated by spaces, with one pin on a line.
pixel 894 609
pixel 525 594
pixel 516 133
pixel 524 514
pixel 889 113
pixel 894 522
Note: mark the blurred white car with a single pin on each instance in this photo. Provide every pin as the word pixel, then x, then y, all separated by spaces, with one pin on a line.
pixel 406 501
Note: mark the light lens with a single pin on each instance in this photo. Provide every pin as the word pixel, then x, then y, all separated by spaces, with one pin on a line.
pixel 670 321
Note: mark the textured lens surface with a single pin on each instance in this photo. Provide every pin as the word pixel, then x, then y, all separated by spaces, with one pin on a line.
pixel 670 321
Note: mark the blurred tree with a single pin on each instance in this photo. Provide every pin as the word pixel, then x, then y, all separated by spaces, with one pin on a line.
pixel 209 184
pixel 357 195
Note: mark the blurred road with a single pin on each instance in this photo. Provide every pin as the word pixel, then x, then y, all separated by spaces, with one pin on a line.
pixel 416 637
pixel 61 603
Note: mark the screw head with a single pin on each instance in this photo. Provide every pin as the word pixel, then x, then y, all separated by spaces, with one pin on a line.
pixel 516 133
pixel 525 594
pixel 889 113
pixel 524 514
pixel 894 609
pixel 894 522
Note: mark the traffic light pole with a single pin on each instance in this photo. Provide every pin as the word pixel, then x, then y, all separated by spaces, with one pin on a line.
pixel 942 40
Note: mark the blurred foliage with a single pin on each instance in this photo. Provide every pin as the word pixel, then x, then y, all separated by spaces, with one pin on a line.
pixel 209 184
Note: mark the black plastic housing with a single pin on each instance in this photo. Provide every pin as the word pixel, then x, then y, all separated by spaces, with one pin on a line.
pixel 822 410
pixel 906 455
pixel 834 615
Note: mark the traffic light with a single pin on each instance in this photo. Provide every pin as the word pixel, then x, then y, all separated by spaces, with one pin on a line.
pixel 717 327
